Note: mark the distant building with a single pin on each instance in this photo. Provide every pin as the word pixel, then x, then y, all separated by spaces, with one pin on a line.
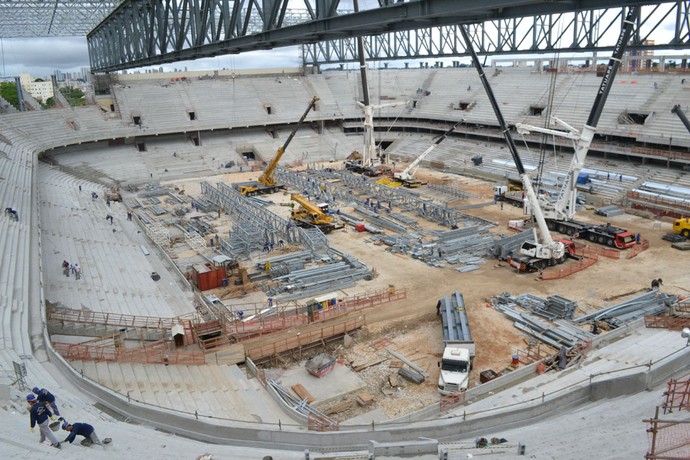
pixel 39 90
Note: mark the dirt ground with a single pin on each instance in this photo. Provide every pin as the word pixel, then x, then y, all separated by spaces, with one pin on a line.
pixel 410 326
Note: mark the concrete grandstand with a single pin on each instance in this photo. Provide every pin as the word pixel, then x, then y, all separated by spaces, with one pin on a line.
pixel 52 160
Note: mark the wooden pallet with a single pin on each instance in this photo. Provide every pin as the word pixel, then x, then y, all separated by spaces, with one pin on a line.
pixel 303 393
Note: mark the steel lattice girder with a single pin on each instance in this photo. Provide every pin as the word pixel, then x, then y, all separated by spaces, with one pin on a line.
pixel 582 31
pixel 37 18
pixel 150 32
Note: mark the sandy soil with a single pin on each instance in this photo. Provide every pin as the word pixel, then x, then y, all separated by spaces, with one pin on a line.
pixel 411 327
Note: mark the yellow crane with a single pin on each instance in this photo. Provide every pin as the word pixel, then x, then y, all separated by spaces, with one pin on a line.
pixel 267 181
pixel 309 215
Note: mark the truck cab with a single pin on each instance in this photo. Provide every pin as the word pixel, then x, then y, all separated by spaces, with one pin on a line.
pixel 682 227
pixel 455 370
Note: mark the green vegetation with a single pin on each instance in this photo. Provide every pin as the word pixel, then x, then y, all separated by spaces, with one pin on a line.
pixel 74 96
pixel 9 92
pixel 50 103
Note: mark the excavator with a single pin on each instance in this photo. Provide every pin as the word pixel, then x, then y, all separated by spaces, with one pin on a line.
pixel 543 251
pixel 406 177
pixel 309 215
pixel 560 214
pixel 267 182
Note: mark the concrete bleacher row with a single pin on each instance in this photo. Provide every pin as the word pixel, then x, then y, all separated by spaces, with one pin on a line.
pixel 220 391
pixel 80 227
pixel 115 272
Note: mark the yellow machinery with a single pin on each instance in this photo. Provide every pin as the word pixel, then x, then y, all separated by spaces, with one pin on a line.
pixel 406 177
pixel 310 215
pixel 682 226
pixel 267 181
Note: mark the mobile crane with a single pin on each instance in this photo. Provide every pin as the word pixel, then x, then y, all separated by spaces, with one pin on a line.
pixel 267 182
pixel 560 214
pixel 406 177
pixel 543 250
pixel 370 162
pixel 310 215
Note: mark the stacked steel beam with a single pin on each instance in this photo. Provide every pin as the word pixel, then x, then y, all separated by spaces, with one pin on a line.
pixel 649 303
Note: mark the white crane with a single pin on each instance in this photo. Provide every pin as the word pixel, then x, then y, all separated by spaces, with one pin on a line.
pixel 407 175
pixel 563 209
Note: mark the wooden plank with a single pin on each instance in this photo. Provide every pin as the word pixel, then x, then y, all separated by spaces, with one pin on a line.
pixel 303 393
pixel 338 407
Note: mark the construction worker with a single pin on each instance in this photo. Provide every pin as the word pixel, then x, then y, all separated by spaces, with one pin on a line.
pixel 47 398
pixel 83 429
pixel 40 415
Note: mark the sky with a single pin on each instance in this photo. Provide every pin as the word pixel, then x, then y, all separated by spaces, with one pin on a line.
pixel 38 56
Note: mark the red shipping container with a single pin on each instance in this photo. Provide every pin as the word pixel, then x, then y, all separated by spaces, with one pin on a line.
pixel 360 228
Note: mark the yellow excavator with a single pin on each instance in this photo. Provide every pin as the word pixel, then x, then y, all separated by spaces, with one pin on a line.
pixel 267 181
pixel 310 215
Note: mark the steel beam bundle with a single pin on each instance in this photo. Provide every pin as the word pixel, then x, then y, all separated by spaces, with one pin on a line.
pixel 314 239
pixel 509 245
pixel 554 336
pixel 380 220
pixel 317 280
pixel 452 191
pixel 649 303
pixel 553 307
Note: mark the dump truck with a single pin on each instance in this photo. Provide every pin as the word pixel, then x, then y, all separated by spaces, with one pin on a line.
pixel 458 353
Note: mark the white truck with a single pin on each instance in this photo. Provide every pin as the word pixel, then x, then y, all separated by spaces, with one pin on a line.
pixel 459 350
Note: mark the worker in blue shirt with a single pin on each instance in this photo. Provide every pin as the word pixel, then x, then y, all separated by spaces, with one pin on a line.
pixel 82 429
pixel 47 398
pixel 40 415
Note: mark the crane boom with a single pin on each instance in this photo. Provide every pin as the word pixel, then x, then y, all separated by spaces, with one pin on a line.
pixel 408 173
pixel 268 177
pixel 565 205
pixel 678 111
pixel 548 249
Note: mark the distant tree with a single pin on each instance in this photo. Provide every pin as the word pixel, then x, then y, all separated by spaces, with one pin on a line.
pixel 50 103
pixel 9 92
pixel 39 79
pixel 74 96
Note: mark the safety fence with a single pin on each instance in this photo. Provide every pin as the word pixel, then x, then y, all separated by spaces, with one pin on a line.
pixel 658 205
pixel 301 341
pixel 668 440
pixel 160 352
pixel 108 319
pixel 673 323
pixel 299 316
pixel 587 259
pixel 676 396
pixel 613 253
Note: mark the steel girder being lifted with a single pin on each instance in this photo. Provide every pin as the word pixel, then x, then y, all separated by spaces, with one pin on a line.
pixel 150 32
pixel 36 18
